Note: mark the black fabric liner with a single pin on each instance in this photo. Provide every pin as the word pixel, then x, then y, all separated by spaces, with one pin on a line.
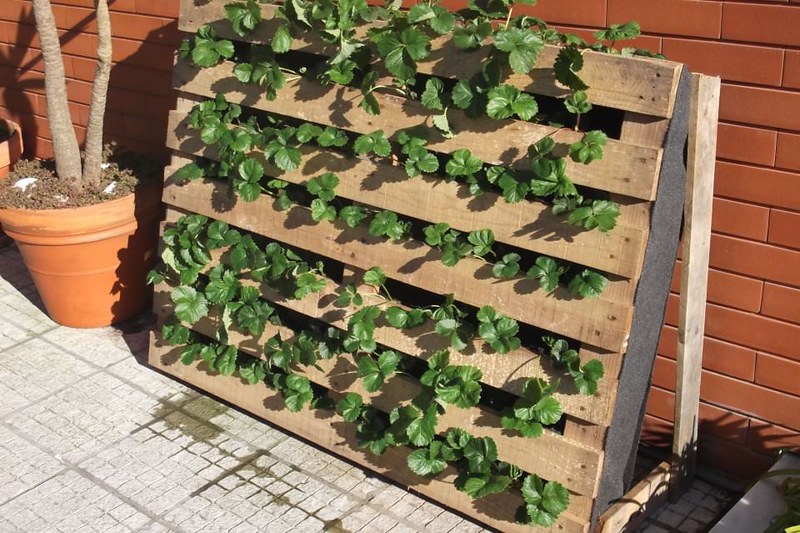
pixel 650 304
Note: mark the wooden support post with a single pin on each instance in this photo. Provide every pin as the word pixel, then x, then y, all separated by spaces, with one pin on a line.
pixel 704 113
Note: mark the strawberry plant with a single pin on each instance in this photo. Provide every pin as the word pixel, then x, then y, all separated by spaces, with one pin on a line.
pixel 363 44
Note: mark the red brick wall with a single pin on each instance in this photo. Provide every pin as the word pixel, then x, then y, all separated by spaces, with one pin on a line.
pixel 751 378
pixel 145 37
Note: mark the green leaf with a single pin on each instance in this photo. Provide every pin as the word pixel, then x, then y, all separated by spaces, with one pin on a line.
pixel 589 148
pixel 463 94
pixel 350 407
pixel 587 376
pixel 331 136
pixel 578 103
pixel 253 373
pixel 547 271
pixel 514 191
pixel 320 210
pixel 374 373
pixel 323 186
pixel 307 132
pixel 251 170
pixel 472 34
pixel 522 46
pixel 190 305
pixel 619 32
pixel 588 284
pixel 481 241
pixel 544 501
pixel 422 430
pixel 375 276
pixel 373 143
pixel 507 267
pixel 427 461
pixel 602 214
pixel 506 101
pixel 281 40
pixel 568 63
pixel 244 16
pixel 442 125
pixel 287 158
pixel 463 163
pixel 432 95
pixel 352 215
pixel 480 453
pixel 189 172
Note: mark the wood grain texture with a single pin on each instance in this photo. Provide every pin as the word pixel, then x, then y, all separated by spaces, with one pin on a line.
pixel 594 321
pixel 703 117
pixel 339 437
pixel 506 372
pixel 552 456
pixel 528 225
pixel 641 85
pixel 625 169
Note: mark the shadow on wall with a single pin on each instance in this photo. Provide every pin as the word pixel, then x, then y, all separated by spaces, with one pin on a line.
pixel 739 446
pixel 139 99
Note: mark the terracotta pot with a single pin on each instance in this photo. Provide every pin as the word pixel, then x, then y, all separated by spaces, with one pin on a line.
pixel 10 152
pixel 90 263
pixel 10 149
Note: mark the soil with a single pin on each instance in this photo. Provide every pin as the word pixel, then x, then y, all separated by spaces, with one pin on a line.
pixel 130 171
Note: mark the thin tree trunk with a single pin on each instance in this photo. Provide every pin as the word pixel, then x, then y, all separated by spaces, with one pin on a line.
pixel 93 157
pixel 65 144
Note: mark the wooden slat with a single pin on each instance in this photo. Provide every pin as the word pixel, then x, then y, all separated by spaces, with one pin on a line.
pixel 506 372
pixel 339 437
pixel 528 225
pixel 694 273
pixel 630 510
pixel 551 455
pixel 632 84
pixel 625 169
pixel 594 321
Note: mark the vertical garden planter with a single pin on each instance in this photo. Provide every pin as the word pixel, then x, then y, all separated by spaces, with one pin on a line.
pixel 589 449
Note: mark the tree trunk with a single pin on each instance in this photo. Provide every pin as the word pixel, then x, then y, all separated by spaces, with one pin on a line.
pixel 93 157
pixel 65 144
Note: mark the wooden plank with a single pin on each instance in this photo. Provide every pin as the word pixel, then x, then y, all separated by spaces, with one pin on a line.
pixel 630 510
pixel 641 85
pixel 505 372
pixel 704 113
pixel 625 169
pixel 529 225
pixel 339 437
pixel 551 455
pixel 594 321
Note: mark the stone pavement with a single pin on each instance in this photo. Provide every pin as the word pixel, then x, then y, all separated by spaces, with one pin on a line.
pixel 93 440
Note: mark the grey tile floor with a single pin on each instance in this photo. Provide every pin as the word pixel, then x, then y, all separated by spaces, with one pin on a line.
pixel 93 440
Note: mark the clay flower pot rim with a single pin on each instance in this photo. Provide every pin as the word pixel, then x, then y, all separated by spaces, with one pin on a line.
pixel 113 216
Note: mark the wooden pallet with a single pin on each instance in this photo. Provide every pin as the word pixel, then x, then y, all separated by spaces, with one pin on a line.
pixel 643 90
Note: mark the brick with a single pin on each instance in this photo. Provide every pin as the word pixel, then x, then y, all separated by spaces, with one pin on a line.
pixel 740 219
pixel 778 373
pixel 751 399
pixel 755 259
pixel 161 8
pixel 712 420
pixel 675 17
pixel 727 289
pixel 737 460
pixel 759 106
pixel 746 329
pixel 781 302
pixel 784 228
pixel 787 153
pixel 570 12
pixel 720 356
pixel 758 185
pixel 656 432
pixel 760 23
pixel 791 69
pixel 746 144
pixel 766 437
pixel 730 61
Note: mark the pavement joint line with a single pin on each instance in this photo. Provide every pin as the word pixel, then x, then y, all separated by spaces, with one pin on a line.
pixel 30 337
pixel 71 466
